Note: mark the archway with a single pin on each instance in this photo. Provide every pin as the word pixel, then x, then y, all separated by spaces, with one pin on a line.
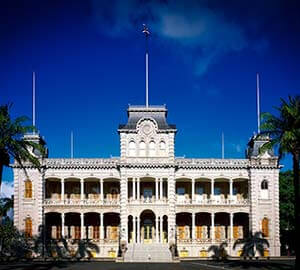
pixel 148 229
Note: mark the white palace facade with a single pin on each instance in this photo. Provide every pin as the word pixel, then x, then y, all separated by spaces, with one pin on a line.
pixel 148 195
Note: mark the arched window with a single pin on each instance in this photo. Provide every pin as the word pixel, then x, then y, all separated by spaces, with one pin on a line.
pixel 162 146
pixel 264 184
pixel 142 149
pixel 152 149
pixel 28 227
pixel 132 149
pixel 265 227
pixel 28 189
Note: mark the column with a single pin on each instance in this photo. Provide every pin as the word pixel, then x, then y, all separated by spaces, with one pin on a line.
pixel 161 189
pixel 156 189
pixel 81 189
pixel 230 188
pixel 193 226
pixel 212 189
pixel 231 225
pixel 134 229
pixel 193 190
pixel 101 226
pixel 161 229
pixel 156 229
pixel 82 226
pixel 138 188
pixel 63 225
pixel 62 189
pixel 102 191
pixel 133 188
pixel 212 233
pixel 138 230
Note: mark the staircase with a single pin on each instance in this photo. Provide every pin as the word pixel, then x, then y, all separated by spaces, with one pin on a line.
pixel 148 253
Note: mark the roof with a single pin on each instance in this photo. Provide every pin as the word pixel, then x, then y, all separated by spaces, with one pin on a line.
pixel 158 113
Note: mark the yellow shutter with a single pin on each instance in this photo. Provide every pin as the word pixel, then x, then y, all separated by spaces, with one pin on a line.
pixel 28 227
pixel 28 189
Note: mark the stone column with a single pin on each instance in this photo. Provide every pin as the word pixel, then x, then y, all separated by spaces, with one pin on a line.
pixel 123 205
pixel 193 225
pixel 138 188
pixel 230 188
pixel 81 189
pixel 212 189
pixel 82 226
pixel 231 226
pixel 212 231
pixel 138 230
pixel 133 188
pixel 62 189
pixel 161 229
pixel 101 226
pixel 156 189
pixel 193 190
pixel 63 225
pixel 156 229
pixel 161 189
pixel 172 211
pixel 134 229
pixel 102 191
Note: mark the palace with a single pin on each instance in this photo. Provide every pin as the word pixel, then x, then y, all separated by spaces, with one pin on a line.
pixel 148 196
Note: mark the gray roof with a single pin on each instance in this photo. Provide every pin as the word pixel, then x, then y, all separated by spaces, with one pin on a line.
pixel 158 113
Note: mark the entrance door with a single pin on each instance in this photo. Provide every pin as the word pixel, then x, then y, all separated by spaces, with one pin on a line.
pixel 148 227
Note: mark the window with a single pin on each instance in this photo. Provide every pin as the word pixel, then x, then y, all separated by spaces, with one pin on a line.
pixel 142 149
pixel 265 227
pixel 28 227
pixel 264 193
pixel 180 190
pixel 217 191
pixel 28 189
pixel 199 190
pixel 264 184
pixel 162 146
pixel 132 149
pixel 152 148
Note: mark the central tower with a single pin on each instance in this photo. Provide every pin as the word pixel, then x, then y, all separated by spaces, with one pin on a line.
pixel 147 134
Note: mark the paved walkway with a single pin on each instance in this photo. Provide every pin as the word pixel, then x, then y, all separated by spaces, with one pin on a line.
pixel 191 265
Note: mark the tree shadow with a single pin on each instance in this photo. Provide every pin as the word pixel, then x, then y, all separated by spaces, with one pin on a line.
pixel 219 252
pixel 252 244
pixel 85 248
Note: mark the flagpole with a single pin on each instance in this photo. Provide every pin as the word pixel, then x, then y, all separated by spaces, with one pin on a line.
pixel 72 145
pixel 222 145
pixel 33 99
pixel 258 103
pixel 147 33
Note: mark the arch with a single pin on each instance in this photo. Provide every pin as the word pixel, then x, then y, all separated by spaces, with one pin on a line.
pixel 240 225
pixel 142 149
pixel 53 225
pixel 132 148
pixel 162 145
pixel 152 148
pixel 28 227
pixel 265 227
pixel 28 189
pixel 264 185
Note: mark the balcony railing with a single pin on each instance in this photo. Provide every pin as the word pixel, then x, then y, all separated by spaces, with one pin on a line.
pixel 82 202
pixel 212 200
pixel 148 200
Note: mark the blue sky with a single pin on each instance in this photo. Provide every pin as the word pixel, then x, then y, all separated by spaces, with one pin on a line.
pixel 204 55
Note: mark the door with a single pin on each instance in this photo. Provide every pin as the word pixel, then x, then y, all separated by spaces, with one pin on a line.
pixel 148 225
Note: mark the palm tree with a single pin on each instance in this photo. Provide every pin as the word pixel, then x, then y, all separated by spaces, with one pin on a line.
pixel 285 133
pixel 5 205
pixel 12 143
pixel 220 252
pixel 252 243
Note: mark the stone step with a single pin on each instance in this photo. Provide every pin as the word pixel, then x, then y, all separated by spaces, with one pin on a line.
pixel 148 253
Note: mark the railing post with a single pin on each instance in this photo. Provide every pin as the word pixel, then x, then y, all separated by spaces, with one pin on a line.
pixel 63 225
pixel 102 191
pixel 138 189
pixel 212 235
pixel 193 190
pixel 62 190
